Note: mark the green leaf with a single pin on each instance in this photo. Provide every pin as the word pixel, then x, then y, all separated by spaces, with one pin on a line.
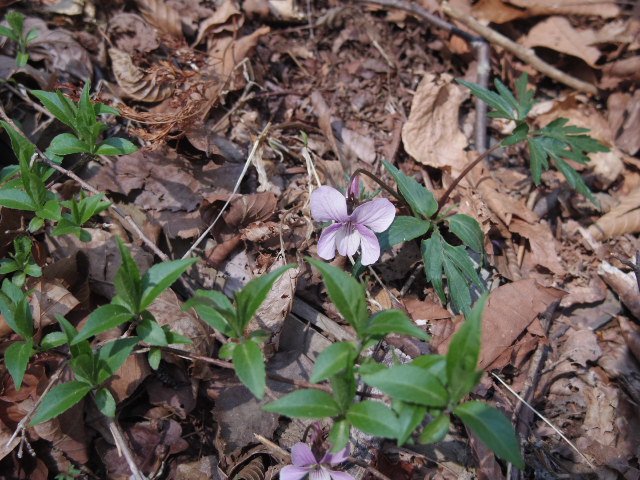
pixel 420 199
pixel 6 32
pixel 345 292
pixel 339 435
pixel 85 368
pixel 31 35
pixel 305 403
pixel 504 109
pixel 436 365
pixel 538 159
pixel 112 356
pixel 105 402
pixel 525 97
pixel 374 418
pixel 53 340
pixel 436 430
pixel 16 20
pixel 115 146
pixel 493 428
pixel 409 417
pixel 102 109
pixel 154 357
pixel 60 399
pixel 343 387
pixel 392 321
pixel 410 384
pixel 22 147
pixel 17 199
pixel 22 59
pixel 464 351
pixel 226 351
pixel 249 299
pixel 519 134
pixel 127 280
pixel 332 360
pixel 249 365
pixel 61 107
pixel 433 256
pixel 149 331
pixel 102 319
pixel 16 359
pixel 67 143
pixel 8 265
pixel 22 322
pixel 50 210
pixel 86 117
pixel 160 277
pixel 401 230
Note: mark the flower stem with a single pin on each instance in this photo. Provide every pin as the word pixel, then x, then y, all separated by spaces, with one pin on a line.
pixel 467 169
pixel 379 181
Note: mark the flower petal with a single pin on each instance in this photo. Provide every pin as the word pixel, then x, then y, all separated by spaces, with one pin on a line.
pixel 327 242
pixel 348 239
pixel 335 458
pixel 327 204
pixel 321 473
pixel 339 475
pixel 302 456
pixel 293 473
pixel 370 245
pixel 377 214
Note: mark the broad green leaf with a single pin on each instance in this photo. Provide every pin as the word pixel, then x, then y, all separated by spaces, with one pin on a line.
pixel 392 321
pixel 50 210
pixel 493 428
pixel 436 365
pixel 102 319
pixel 345 292
pixel 17 199
pixel 67 143
pixel 343 387
pixel 332 360
pixel 53 340
pixel 105 402
pixel 71 333
pixel 249 299
pixel 112 356
pixel 339 435
pixel 22 319
pixel 160 277
pixel 409 417
pixel 175 337
pixel 504 109
pixel 410 384
pixel 433 256
pixel 305 403
pixel 401 230
pixel 31 35
pixel 22 59
pixel 127 280
pixel 154 357
pixel 16 20
pixel 464 351
pixel 374 418
pixel 6 32
pixel 226 351
pixel 149 331
pixel 22 147
pixel 115 146
pixel 58 105
pixel 8 265
pixel 468 230
pixel 249 366
pixel 60 399
pixel 84 367
pixel 420 199
pixel 16 359
pixel 436 430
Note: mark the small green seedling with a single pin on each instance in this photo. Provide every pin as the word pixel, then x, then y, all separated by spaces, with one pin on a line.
pixel 16 33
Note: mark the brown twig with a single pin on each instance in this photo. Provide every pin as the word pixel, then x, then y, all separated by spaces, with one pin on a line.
pixel 523 53
pixel 123 448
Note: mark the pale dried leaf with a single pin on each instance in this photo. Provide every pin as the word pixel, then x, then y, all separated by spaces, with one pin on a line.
pixel 251 208
pixel 622 219
pixel 601 8
pixel 131 34
pixel 542 243
pixel 432 135
pixel 152 86
pixel 361 146
pixel 227 18
pixel 581 346
pixel 624 118
pixel 162 16
pixel 49 299
pixel 558 34
pixel 623 284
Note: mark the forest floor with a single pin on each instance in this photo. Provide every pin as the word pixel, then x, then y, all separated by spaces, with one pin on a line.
pixel 216 94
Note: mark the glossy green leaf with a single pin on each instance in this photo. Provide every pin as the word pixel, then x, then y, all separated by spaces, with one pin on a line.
pixel 53 340
pixel 409 418
pixel 249 366
pixel 420 199
pixel 67 143
pixel 436 430
pixel 17 199
pixel 22 319
pixel 154 357
pixel 403 229
pixel 226 351
pixel 249 299
pixel 22 147
pixel 217 311
pixel 112 356
pixel 60 399
pixel 339 435
pixel 392 321
pixel 468 230
pixel 127 280
pixel 149 331
pixel 16 359
pixel 345 292
pixel 115 146
pixel 84 367
pixel 160 277
pixel 7 32
pixel 102 319
pixel 374 418
pixel 332 360
pixel 61 107
pixel 343 387
pixel 105 402
pixel 433 255
pixel 410 384
pixel 305 403
pixel 464 351
pixel 493 428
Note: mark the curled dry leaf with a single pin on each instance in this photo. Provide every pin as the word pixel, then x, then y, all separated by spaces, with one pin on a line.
pixel 162 16
pixel 502 11
pixel 623 284
pixel 152 86
pixel 622 219
pixel 624 119
pixel 431 135
pixel 251 208
pixel 542 243
pixel 227 18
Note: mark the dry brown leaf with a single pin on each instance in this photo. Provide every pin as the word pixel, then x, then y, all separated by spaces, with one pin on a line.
pixel 631 334
pixel 227 18
pixel 359 145
pixel 432 135
pixel 49 299
pixel 623 284
pixel 131 34
pixel 601 8
pixel 542 243
pixel 624 118
pixel 558 34
pixel 162 16
pixel 152 86
pixel 129 376
pixel 497 11
pixel 624 218
pixel 580 346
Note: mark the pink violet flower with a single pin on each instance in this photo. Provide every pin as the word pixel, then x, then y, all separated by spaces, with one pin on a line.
pixel 351 229
pixel 305 463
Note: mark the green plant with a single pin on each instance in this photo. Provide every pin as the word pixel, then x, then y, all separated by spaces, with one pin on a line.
pixel 21 262
pixel 16 33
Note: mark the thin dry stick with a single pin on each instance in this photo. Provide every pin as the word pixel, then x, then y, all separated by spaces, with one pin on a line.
pixel 555 429
pixel 123 448
pixel 256 144
pixel 89 188
pixel 523 53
